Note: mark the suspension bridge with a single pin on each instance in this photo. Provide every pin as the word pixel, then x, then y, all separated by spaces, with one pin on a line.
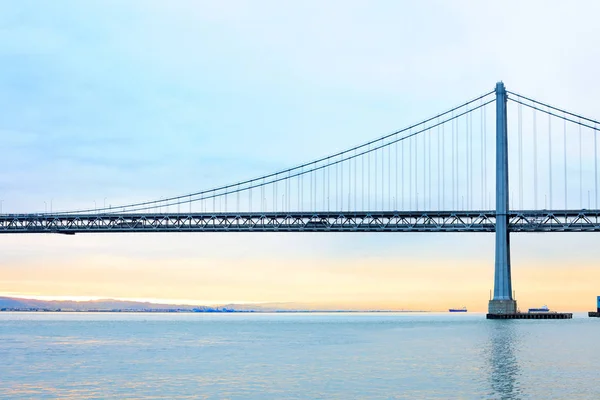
pixel 447 173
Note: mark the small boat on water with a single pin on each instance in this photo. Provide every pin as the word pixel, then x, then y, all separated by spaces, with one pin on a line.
pixel 542 309
pixel 464 309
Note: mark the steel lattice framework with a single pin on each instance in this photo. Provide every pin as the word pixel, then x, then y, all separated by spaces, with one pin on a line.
pixel 394 221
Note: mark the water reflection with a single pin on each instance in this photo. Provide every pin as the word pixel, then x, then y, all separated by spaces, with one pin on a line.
pixel 503 365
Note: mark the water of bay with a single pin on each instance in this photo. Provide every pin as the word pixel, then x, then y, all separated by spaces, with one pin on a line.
pixel 296 356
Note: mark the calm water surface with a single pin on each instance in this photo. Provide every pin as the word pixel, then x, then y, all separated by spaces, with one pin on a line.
pixel 296 356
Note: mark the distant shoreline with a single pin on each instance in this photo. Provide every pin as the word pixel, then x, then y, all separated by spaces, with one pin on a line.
pixel 168 311
pixel 13 304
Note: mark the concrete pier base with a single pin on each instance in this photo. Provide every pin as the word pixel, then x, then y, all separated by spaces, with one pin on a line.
pixel 502 307
pixel 545 315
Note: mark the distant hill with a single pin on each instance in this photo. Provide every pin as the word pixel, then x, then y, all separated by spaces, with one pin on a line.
pixel 13 304
pixel 18 304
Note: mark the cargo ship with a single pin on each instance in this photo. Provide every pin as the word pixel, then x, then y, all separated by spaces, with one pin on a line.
pixel 542 309
pixel 464 309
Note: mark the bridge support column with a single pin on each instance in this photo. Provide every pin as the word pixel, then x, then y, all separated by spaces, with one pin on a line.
pixel 502 302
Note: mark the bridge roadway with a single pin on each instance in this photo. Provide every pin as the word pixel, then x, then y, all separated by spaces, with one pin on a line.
pixel 389 221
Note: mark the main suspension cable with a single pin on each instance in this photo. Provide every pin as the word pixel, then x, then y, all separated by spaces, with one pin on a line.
pixel 251 183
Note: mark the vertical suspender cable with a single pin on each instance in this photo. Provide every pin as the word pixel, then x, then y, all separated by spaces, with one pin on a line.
pixel 286 189
pixel 337 192
pixel 349 183
pixel 457 158
pixel 396 173
pixel 382 176
pixel 324 190
pixel 416 172
pixel 442 169
pixel 375 182
pixel 550 159
pixel 311 193
pixel 403 174
pixel 485 154
pixel 341 194
pixel 355 181
pixel 471 156
pixel 362 182
pixel 520 131
pixel 595 170
pixel 328 189
pixel 369 178
pixel 316 182
pixel 424 172
pixel 470 161
pixel 389 188
pixel 566 206
pixel 482 205
pixel 535 192
pixel 410 199
pixel 429 167
pixel 438 138
pixel 468 158
pixel 313 187
pixel 464 190
pixel 453 172
pixel 457 163
pixel 467 151
pixel 382 173
pixel 580 169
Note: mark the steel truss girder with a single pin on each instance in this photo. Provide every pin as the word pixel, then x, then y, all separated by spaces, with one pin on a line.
pixel 392 221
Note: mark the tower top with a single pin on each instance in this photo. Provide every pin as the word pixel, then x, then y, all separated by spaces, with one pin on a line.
pixel 500 87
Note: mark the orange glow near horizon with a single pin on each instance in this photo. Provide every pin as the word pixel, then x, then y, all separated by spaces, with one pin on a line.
pixel 418 272
pixel 361 285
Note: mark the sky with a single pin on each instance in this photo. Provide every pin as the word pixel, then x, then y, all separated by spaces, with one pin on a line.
pixel 117 102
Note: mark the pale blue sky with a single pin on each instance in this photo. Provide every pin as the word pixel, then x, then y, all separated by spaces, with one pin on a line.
pixel 170 99
pixel 139 100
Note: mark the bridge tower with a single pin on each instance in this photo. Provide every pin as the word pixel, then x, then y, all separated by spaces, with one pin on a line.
pixel 502 302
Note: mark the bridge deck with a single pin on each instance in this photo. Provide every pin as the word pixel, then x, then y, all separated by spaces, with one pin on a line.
pixel 391 221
